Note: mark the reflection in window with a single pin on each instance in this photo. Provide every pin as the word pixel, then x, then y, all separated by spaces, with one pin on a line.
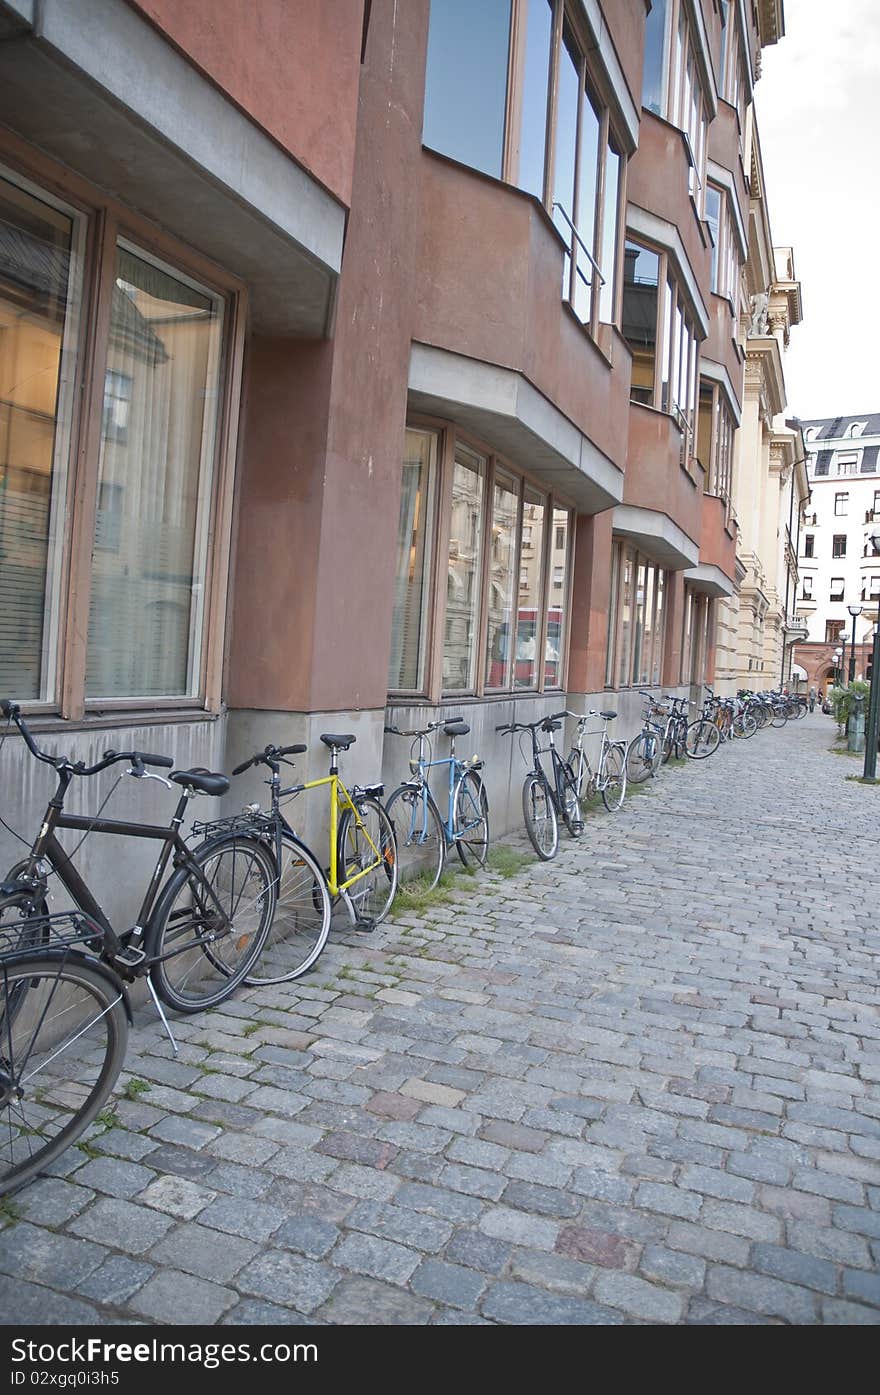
pixel 37 323
pixel 502 560
pixel 655 47
pixel 536 77
pixel 466 81
pixel 530 591
pixel 556 602
pixel 636 620
pixel 463 576
pixel 154 485
pixel 640 282
pixel 410 607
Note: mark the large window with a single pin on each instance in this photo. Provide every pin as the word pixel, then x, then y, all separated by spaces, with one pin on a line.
pixel 660 330
pixel 636 619
pixel 411 582
pixel 39 312
pixel 502 610
pixel 155 474
pixel 725 251
pixel 838 545
pixel 466 81
pixel 511 91
pixel 117 610
pixel 841 504
pixel 715 438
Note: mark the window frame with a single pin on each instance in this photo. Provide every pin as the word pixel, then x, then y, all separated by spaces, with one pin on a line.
pixel 672 301
pixel 432 692
pixel 832 596
pixel 841 497
pixel 838 546
pixel 105 224
pixel 625 549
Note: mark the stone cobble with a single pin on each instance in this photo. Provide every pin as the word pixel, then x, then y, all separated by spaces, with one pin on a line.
pixel 639 1084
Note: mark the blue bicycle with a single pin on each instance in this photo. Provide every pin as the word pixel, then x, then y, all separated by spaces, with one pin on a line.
pixel 422 834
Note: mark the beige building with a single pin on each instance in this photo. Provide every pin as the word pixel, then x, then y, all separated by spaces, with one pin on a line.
pixel 757 627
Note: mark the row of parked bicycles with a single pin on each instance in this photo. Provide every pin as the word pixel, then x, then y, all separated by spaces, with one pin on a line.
pixel 244 900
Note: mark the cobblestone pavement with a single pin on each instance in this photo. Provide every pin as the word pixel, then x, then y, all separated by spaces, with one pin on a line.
pixel 639 1084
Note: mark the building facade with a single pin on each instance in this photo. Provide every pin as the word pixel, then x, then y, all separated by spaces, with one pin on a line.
pixel 362 362
pixel 840 568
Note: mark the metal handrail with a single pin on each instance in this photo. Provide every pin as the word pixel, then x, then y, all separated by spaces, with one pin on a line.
pixel 592 260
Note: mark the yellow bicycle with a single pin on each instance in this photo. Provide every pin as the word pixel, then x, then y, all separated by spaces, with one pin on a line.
pixel 362 870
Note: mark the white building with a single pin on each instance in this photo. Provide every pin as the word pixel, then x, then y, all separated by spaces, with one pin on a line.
pixel 836 560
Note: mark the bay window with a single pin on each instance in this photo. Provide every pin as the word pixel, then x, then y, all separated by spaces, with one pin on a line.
pixel 501 574
pixel 660 330
pixel 725 252
pixel 636 619
pixel 671 84
pixel 715 440
pixel 511 90
pixel 111 464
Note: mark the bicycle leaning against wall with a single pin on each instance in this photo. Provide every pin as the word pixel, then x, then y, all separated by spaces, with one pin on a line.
pixel 609 776
pixel 545 801
pixel 423 835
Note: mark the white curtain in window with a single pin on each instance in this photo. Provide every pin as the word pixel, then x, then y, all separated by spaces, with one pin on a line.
pixel 154 486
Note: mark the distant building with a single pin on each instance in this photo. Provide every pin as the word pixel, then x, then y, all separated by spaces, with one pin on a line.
pixel 837 562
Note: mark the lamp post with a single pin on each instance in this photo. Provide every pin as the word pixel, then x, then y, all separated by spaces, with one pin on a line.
pixel 855 611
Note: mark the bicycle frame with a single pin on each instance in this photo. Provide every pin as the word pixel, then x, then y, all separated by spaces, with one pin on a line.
pixel 47 847
pixel 337 806
pixel 457 768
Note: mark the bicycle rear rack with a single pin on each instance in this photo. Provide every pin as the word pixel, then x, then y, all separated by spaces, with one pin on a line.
pixel 258 825
pixel 64 930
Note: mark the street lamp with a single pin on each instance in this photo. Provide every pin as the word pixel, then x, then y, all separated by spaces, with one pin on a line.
pixel 855 611
pixel 835 659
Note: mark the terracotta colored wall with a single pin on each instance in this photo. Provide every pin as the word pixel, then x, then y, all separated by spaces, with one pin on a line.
pixel 354 581
pixel 292 65
pixel 490 287
pixel 279 506
pixel 658 181
pixel 717 545
pixel 591 596
pixel 654 478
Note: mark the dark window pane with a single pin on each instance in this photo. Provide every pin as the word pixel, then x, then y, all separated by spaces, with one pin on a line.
pixel 588 160
pixel 566 135
pixel 640 278
pixel 655 38
pixel 536 78
pixel 466 82
pixel 608 248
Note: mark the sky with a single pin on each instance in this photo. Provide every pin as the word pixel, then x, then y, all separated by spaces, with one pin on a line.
pixel 818 109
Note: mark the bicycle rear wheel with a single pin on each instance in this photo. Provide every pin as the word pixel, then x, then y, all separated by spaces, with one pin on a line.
pixel 211 923
pixel 368 850
pixel 470 820
pixel 539 814
pixel 301 922
pixel 421 837
pixel 63 1034
pixel 567 800
pixel 643 757
pixel 614 789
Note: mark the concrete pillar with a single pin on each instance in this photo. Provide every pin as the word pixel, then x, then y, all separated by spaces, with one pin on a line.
pixel 591 599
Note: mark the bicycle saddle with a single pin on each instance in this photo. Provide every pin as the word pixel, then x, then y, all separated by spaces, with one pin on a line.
pixel 205 781
pixel 456 728
pixel 609 716
pixel 341 743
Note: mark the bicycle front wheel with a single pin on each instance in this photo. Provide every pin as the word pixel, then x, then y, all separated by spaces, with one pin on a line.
pixel 301 922
pixel 470 820
pixel 702 739
pixel 614 788
pixel 211 923
pixel 63 1034
pixel 367 851
pixel 542 826
pixel 421 838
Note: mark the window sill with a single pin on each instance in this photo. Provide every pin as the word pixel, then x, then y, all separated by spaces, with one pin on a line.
pixel 112 720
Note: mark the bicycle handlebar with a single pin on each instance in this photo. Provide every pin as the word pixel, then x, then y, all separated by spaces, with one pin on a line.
pixel 270 754
pixel 12 712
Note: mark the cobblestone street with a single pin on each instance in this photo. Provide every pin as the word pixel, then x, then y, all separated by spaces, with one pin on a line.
pixel 639 1084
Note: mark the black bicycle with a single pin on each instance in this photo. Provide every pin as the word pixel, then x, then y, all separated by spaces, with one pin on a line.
pixel 64 1009
pixel 545 801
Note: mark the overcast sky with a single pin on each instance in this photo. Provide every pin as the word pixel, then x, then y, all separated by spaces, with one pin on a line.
pixel 818 107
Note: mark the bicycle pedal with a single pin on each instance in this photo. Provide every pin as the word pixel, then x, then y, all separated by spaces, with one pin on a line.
pixel 130 957
pixel 365 927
